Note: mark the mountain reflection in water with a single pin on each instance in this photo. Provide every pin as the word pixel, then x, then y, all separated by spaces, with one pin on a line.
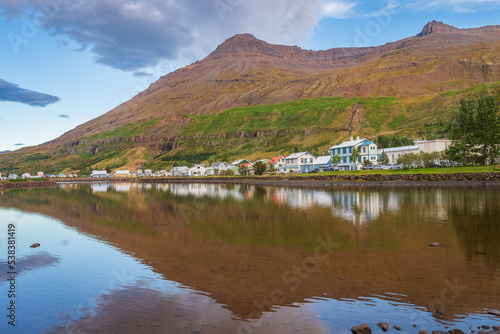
pixel 341 257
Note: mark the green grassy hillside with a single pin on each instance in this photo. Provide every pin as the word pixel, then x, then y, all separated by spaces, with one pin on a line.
pixel 253 132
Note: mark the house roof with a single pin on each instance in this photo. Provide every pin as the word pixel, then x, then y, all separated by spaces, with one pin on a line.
pixel 399 148
pixel 239 161
pixel 323 160
pixel 276 159
pixel 298 155
pixel 217 164
pixel 349 143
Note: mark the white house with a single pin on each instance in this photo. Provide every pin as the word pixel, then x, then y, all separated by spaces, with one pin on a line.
pixel 26 176
pixel 198 170
pixel 393 153
pixel 123 173
pixel 322 162
pixel 12 176
pixel 436 145
pixel 427 146
pixel 239 162
pixel 180 171
pixel 278 161
pixel 368 151
pixel 217 167
pixel 298 163
pixel 99 174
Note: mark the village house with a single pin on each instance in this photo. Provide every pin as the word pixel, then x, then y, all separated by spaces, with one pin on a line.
pixel 427 146
pixel 323 162
pixel 197 170
pixel 217 167
pixel 123 173
pixel 393 153
pixel 301 162
pixel 368 151
pixel 180 171
pixel 99 174
pixel 239 162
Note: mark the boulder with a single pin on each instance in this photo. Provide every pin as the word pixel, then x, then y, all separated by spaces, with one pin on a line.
pixel 423 331
pixel 35 245
pixel 383 325
pixel 361 329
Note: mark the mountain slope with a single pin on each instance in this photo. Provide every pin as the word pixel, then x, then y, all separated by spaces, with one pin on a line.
pixel 246 72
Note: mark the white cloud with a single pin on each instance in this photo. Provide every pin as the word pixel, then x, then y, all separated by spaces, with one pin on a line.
pixel 337 9
pixel 133 35
pixel 459 6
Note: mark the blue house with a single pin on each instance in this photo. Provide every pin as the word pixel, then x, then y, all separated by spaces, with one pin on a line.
pixel 368 151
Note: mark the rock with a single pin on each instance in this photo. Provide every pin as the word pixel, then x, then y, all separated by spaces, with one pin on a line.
pixel 497 313
pixel 434 244
pixel 35 245
pixel 482 331
pixel 423 331
pixel 439 332
pixel 397 327
pixel 486 327
pixel 383 325
pixel 497 328
pixel 414 325
pixel 456 331
pixel 361 329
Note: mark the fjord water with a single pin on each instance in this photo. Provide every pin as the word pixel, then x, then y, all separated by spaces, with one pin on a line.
pixel 218 258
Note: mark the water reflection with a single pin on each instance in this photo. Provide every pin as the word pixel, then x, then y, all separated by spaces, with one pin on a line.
pixel 240 244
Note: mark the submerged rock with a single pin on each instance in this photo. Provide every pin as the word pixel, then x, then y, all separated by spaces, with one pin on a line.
pixel 383 325
pixel 361 329
pixel 35 245
pixel 423 331
pixel 434 244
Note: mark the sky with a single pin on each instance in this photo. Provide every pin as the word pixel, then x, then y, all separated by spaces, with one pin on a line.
pixel 64 62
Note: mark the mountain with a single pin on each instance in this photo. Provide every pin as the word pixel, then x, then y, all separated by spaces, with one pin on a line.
pixel 401 87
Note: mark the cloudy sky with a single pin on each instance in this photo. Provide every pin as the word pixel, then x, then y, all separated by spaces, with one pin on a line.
pixel 64 62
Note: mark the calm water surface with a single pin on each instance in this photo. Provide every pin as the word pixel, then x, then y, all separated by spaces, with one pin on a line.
pixel 200 258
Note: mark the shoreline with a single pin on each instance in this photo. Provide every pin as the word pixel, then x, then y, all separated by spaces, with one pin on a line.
pixel 314 181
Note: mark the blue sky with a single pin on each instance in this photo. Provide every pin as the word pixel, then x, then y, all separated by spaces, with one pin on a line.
pixel 65 62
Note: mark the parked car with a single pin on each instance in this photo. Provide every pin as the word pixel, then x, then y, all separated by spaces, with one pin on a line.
pixel 385 167
pixel 315 170
pixel 395 166
pixel 331 169
pixel 377 167
pixel 367 167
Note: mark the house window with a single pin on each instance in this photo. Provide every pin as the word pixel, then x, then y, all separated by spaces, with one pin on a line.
pixel 311 160
pixel 364 149
pixel 372 148
pixel 372 158
pixel 359 159
pixel 350 149
pixel 345 150
pixel 345 159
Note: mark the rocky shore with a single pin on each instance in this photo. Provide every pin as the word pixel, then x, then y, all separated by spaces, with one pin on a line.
pixel 384 326
pixel 27 185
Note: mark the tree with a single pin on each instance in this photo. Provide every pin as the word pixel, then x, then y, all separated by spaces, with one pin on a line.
pixel 383 159
pixel 487 129
pixel 336 160
pixel 260 167
pixel 476 129
pixel 243 170
pixel 354 156
pixel 408 160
